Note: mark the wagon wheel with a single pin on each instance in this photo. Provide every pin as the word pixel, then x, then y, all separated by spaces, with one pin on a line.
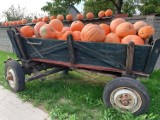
pixel 126 94
pixel 14 75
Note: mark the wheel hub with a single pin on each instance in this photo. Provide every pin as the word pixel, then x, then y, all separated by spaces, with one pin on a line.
pixel 125 99
pixel 11 77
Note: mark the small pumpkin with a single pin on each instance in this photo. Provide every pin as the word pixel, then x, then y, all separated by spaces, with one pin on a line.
pixel 146 31
pixel 137 25
pixel 47 31
pixel 64 29
pixel 114 23
pixel 37 28
pixel 60 17
pixel 108 13
pixel 27 31
pixel 101 14
pixel 52 17
pixel 76 26
pixel 45 19
pixel 105 27
pixel 92 33
pixel 69 17
pixel 89 15
pixel 56 24
pixel 124 29
pixel 112 38
pixel 79 16
pixel 134 38
pixel 24 21
pixel 39 19
pixel 77 35
pixel 65 35
pixel 34 20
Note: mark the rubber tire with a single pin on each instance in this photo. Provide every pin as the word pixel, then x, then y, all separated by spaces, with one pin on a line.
pixel 130 83
pixel 19 74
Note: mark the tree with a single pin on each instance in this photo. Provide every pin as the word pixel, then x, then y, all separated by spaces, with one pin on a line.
pixel 14 13
pixel 149 7
pixel 58 6
pixel 96 6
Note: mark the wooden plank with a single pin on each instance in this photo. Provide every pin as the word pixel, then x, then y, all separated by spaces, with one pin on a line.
pixel 154 54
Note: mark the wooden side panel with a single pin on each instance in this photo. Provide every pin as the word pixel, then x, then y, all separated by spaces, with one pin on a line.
pixel 92 54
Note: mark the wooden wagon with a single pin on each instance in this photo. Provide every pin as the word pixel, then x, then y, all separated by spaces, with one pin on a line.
pixel 125 61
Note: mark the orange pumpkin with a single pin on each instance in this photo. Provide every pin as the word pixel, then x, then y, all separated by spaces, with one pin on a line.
pixel 27 31
pixel 134 38
pixel 67 33
pixel 125 29
pixel 14 23
pixel 24 21
pixel 114 23
pixel 105 27
pixel 64 29
pixel 47 31
pixel 137 25
pixel 3 23
pixel 34 20
pixel 39 19
pixel 45 19
pixel 77 35
pixel 101 14
pixel 6 23
pixel 146 31
pixel 60 17
pixel 58 34
pixel 52 17
pixel 19 22
pixel 79 17
pixel 76 26
pixel 112 38
pixel 56 24
pixel 92 33
pixel 108 13
pixel 69 17
pixel 10 23
pixel 89 15
pixel 37 28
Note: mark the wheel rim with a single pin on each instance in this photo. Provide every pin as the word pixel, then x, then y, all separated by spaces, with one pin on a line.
pixel 11 77
pixel 125 99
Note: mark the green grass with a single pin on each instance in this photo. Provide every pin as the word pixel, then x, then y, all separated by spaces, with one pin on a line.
pixel 78 96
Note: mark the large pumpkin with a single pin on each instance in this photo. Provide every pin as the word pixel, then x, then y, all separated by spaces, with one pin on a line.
pixel 37 28
pixel 114 23
pixel 124 29
pixel 47 31
pixel 146 31
pixel 77 35
pixel 76 26
pixel 137 25
pixel 27 31
pixel 105 27
pixel 134 38
pixel 92 33
pixel 56 24
pixel 112 38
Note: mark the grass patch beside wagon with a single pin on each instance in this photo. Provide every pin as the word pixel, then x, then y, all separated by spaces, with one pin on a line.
pixel 78 95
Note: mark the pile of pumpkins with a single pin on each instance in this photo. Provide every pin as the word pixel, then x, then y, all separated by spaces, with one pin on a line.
pixel 118 31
